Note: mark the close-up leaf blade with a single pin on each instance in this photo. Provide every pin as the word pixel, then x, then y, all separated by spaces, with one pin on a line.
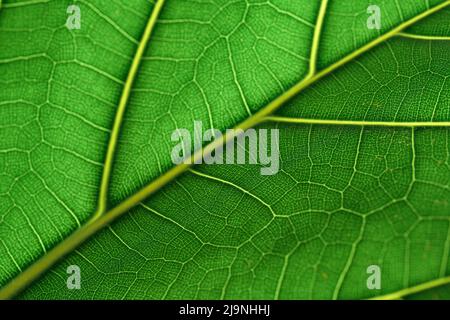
pixel 86 118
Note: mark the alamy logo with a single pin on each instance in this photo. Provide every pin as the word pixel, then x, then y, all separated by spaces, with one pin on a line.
pixel 247 147
pixel 374 20
pixel 374 280
pixel 74 19
pixel 74 279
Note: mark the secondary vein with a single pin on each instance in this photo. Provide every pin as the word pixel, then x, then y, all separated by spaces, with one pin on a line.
pixel 364 123
pixel 415 289
pixel 316 38
pixel 423 37
pixel 112 146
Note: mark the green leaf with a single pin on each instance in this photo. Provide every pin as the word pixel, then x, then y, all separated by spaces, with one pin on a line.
pixel 86 120
pixel 439 293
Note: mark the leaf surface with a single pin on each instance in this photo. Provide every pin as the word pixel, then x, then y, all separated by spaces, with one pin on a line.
pixel 347 196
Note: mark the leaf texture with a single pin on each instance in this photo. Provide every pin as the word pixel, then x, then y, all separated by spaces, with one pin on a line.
pixel 364 176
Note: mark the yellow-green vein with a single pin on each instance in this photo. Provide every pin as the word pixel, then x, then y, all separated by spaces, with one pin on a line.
pixel 112 146
pixel 415 289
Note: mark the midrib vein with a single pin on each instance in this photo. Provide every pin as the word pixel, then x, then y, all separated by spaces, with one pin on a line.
pixel 316 39
pixel 114 138
pixel 22 280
